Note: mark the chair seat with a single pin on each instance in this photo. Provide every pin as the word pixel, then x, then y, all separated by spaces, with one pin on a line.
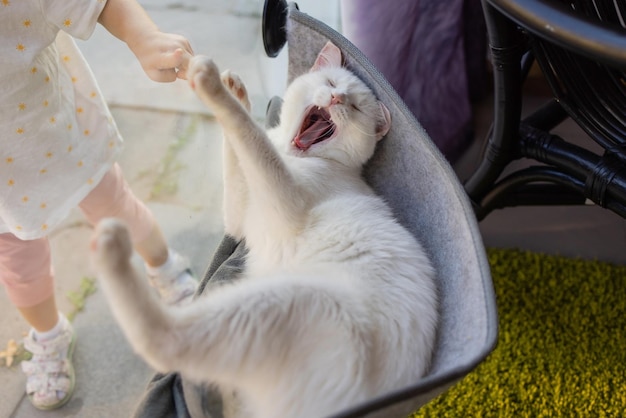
pixel 426 196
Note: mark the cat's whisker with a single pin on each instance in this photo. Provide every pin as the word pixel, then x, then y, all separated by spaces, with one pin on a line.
pixel 359 129
pixel 328 132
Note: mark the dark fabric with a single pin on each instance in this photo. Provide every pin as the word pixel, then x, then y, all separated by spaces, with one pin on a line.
pixel 163 398
pixel 226 263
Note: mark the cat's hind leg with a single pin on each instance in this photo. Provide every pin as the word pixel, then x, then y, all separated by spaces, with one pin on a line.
pixel 134 303
pixel 112 247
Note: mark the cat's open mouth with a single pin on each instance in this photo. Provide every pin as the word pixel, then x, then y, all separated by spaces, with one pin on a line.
pixel 317 126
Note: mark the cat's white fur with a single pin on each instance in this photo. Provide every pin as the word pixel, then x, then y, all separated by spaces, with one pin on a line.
pixel 337 304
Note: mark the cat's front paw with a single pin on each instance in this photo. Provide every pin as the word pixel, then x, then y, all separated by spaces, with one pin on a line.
pixel 204 75
pixel 111 245
pixel 233 82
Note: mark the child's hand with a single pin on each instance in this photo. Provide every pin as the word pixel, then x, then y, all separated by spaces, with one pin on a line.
pixel 163 56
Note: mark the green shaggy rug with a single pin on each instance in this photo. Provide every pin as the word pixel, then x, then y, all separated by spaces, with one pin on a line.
pixel 562 343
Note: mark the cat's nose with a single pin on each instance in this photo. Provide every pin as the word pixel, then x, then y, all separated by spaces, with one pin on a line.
pixel 337 98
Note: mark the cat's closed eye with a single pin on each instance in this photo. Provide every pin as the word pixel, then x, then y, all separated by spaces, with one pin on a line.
pixel 331 83
pixel 355 107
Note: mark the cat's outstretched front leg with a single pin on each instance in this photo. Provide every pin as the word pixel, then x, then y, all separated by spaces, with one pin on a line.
pixel 236 86
pixel 206 80
pixel 235 188
pixel 264 170
pixel 227 98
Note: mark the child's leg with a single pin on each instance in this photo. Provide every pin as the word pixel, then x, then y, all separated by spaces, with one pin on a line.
pixel 26 273
pixel 153 249
pixel 113 198
pixel 169 273
pixel 43 316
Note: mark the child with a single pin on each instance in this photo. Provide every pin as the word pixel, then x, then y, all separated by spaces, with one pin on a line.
pixel 58 147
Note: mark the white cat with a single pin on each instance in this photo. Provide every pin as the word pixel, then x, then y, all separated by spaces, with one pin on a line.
pixel 337 304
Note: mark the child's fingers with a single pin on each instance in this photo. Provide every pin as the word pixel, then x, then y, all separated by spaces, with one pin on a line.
pixel 171 65
pixel 173 59
pixel 182 68
pixel 186 57
pixel 162 76
pixel 182 74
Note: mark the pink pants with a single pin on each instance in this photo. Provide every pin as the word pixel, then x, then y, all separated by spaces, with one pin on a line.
pixel 25 266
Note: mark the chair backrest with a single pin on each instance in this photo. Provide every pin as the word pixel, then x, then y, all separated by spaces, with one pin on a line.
pixel 580 46
pixel 591 89
pixel 419 184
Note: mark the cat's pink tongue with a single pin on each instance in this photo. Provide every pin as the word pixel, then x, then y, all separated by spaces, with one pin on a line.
pixel 317 131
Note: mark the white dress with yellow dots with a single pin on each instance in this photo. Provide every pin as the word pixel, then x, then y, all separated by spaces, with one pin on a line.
pixel 57 135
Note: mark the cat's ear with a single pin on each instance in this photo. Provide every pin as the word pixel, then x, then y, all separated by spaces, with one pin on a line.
pixel 383 124
pixel 329 56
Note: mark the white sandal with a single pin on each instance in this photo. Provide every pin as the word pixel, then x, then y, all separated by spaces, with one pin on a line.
pixel 174 280
pixel 50 375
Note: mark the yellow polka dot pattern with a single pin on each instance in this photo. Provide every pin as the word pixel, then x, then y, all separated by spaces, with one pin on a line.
pixel 59 137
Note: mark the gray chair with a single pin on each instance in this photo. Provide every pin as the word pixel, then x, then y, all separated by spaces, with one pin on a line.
pixel 419 184
pixel 412 175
